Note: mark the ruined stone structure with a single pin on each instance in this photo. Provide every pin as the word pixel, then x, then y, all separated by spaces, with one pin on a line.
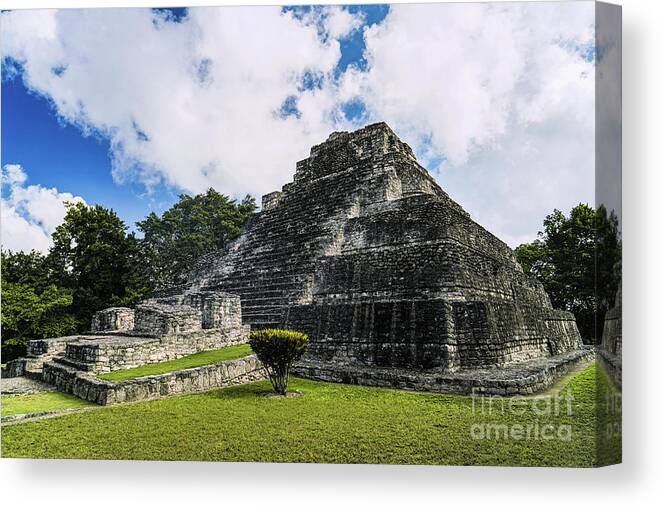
pixel 113 319
pixel 369 256
pixel 89 387
pixel 159 329
pixel 392 280
pixel 610 351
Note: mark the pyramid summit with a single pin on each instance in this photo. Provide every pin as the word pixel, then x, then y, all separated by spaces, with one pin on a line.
pixel 366 253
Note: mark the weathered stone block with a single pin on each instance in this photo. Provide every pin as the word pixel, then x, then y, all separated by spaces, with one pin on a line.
pixel 270 201
pixel 113 319
pixel 159 319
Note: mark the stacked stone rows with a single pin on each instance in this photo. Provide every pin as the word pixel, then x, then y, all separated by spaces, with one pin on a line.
pixel 366 253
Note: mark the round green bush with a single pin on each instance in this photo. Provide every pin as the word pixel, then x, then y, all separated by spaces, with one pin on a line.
pixel 278 349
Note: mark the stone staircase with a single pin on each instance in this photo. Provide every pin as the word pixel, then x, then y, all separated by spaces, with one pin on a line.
pixel 273 264
pixel 38 352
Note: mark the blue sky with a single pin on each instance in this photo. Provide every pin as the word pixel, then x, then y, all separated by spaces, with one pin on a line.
pixel 129 108
pixel 58 154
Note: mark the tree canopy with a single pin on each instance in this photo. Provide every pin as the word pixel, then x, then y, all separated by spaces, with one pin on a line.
pixel 32 305
pixel 94 257
pixel 193 227
pixel 578 260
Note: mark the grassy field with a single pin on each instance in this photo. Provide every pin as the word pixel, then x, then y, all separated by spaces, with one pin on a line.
pixel 192 361
pixel 40 402
pixel 330 423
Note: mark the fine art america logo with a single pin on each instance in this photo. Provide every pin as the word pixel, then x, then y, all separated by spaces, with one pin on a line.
pixel 522 418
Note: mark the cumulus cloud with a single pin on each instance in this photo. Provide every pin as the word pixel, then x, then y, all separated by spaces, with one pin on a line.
pixel 501 95
pixel 30 213
pixel 334 21
pixel 504 94
pixel 197 103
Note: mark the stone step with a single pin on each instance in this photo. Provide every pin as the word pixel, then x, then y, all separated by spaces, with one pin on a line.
pixel 259 313
pixel 264 324
pixel 79 365
pixel 263 303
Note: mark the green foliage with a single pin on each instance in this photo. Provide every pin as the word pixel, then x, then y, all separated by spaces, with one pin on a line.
pixel 193 227
pixel 32 305
pixel 94 263
pixel 331 423
pixel 27 313
pixel 31 269
pixel 191 361
pixel 278 349
pixel 97 260
pixel 577 258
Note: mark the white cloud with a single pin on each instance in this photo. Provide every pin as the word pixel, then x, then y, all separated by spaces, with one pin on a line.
pixel 13 175
pixel 195 103
pixel 501 91
pixel 340 23
pixel 30 213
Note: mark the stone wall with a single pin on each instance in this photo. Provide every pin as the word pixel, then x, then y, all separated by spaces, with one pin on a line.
pixel 113 319
pixel 88 387
pixel 270 201
pixel 610 350
pixel 50 346
pixel 161 319
pixel 524 378
pixel 433 333
pixel 217 309
pixel 400 333
pixel 14 368
pixel 611 340
pixel 38 351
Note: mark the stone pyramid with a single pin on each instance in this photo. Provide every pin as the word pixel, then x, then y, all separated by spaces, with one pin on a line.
pixel 368 255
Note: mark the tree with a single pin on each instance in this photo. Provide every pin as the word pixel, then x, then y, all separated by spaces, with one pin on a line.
pixel 32 306
pixel 96 259
pixel 577 259
pixel 278 349
pixel 94 264
pixel 30 269
pixel 193 227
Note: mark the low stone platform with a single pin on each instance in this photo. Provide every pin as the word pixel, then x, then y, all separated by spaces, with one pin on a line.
pixel 38 352
pixel 103 353
pixel 89 387
pixel 523 378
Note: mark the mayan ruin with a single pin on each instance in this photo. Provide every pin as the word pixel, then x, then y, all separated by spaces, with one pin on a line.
pixel 390 278
pixel 157 330
pixel 369 256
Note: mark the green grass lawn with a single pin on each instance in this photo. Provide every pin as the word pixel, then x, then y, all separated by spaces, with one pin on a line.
pixel 40 402
pixel 192 361
pixel 331 423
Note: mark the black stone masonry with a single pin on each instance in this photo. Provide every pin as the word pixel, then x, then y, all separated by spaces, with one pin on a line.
pixel 367 254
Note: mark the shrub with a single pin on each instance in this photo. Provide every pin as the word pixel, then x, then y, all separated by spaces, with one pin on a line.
pixel 278 349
